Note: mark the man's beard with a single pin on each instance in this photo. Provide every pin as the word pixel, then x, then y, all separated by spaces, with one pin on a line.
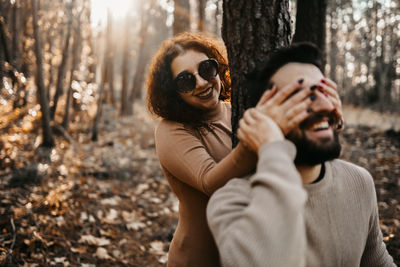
pixel 311 152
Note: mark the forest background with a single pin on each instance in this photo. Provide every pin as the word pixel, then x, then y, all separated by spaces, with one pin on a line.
pixel 80 183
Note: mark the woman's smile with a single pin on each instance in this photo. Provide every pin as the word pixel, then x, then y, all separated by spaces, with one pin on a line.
pixel 205 95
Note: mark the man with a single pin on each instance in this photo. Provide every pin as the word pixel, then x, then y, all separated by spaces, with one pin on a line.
pixel 304 209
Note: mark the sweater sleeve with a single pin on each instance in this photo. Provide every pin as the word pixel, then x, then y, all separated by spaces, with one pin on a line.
pixel 260 222
pixel 375 253
pixel 186 158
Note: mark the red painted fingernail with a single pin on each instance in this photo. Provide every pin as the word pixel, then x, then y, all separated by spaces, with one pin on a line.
pixel 323 80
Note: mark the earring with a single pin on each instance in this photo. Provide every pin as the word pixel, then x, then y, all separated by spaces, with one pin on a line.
pixel 340 124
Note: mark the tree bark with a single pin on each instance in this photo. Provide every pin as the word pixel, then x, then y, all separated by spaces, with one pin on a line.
pixel 201 12
pixel 76 52
pixel 15 36
pixel 104 78
pixel 125 71
pixel 4 40
pixel 63 64
pixel 334 50
pixel 217 26
pixel 181 16
pixel 251 30
pixel 311 22
pixel 143 51
pixel 48 140
pixel 111 89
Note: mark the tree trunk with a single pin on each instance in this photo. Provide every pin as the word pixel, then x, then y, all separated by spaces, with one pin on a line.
pixel 63 64
pixel 76 52
pixel 181 16
pixel 333 53
pixel 92 53
pixel 4 40
pixel 125 70
pixel 201 12
pixel 251 30
pixel 111 89
pixel 217 25
pixel 104 78
pixel 25 58
pixel 143 51
pixel 15 36
pixel 48 140
pixel 311 22
pixel 2 56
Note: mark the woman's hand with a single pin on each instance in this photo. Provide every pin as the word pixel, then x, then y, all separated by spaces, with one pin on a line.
pixel 289 106
pixel 256 129
pixel 329 88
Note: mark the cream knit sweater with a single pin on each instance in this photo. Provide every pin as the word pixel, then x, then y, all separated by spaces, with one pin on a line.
pixel 271 219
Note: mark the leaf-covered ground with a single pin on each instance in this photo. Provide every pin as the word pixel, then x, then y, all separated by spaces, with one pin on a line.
pixel 106 203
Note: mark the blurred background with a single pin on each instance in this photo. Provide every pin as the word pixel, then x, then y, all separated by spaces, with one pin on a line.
pixel 80 182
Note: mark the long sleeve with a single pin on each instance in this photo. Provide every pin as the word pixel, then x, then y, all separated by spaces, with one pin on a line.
pixel 183 155
pixel 375 252
pixel 261 222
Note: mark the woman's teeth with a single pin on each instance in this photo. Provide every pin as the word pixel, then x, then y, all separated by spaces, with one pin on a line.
pixel 205 92
pixel 320 126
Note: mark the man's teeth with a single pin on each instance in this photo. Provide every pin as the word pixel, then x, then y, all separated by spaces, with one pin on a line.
pixel 320 126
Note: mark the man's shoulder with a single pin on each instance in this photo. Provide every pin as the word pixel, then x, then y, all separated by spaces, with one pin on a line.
pixel 349 170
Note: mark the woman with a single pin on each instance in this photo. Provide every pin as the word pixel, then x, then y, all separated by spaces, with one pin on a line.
pixel 188 83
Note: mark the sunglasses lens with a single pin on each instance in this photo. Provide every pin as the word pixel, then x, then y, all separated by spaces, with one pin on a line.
pixel 208 69
pixel 185 82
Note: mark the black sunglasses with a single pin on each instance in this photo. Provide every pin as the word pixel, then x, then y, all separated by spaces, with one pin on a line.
pixel 186 81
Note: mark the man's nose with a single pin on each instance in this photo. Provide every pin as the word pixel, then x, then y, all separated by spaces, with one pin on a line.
pixel 322 103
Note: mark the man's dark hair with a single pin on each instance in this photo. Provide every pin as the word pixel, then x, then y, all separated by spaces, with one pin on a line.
pixel 299 52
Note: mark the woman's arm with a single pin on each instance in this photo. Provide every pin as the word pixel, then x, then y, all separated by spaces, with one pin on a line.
pixel 186 158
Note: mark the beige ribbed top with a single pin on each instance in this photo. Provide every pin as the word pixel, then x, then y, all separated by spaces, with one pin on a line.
pixel 271 219
pixel 196 163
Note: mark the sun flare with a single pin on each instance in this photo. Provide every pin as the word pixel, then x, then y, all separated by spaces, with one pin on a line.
pixel 118 9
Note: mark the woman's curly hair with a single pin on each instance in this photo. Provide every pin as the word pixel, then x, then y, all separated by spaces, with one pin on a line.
pixel 162 97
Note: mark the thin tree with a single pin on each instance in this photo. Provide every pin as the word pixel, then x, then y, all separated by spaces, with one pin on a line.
pixel 63 64
pixel 217 15
pixel 125 70
pixel 334 50
pixel 3 51
pixel 76 51
pixel 181 16
pixel 48 140
pixel 16 35
pixel 201 7
pixel 111 90
pixel 143 52
pixel 104 78
pixel 4 41
pixel 251 30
